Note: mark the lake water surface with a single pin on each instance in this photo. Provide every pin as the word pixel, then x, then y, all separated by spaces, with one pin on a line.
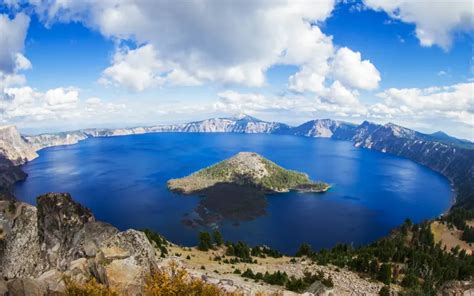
pixel 123 181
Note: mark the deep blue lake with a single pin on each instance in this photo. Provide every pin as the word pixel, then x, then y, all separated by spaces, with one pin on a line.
pixel 123 181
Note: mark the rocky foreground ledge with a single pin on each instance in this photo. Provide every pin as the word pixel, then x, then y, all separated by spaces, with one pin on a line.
pixel 41 247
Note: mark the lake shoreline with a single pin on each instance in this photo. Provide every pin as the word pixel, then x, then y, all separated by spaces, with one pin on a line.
pixel 142 188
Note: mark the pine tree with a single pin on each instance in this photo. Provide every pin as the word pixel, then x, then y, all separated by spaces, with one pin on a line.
pixel 217 236
pixel 304 250
pixel 385 274
pixel 205 242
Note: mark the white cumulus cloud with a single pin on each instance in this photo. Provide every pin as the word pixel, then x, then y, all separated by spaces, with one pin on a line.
pixel 349 68
pixel 194 42
pixel 12 61
pixel 25 102
pixel 12 38
pixel 436 21
pixel 453 101
pixel 141 68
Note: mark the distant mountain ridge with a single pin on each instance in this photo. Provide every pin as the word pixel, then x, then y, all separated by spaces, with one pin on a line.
pixel 242 123
pixel 451 160
pixel 447 155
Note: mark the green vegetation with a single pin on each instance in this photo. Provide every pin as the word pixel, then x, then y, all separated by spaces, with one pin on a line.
pixel 278 178
pixel 385 291
pixel 385 274
pixel 292 283
pixel 11 206
pixel 240 250
pixel 468 234
pixel 177 282
pixel 247 169
pixel 217 237
pixel 281 179
pixel 205 242
pixel 457 218
pixel 304 250
pixel 160 241
pixel 244 253
pixel 264 251
pixel 218 171
pixel 408 257
pixel 89 288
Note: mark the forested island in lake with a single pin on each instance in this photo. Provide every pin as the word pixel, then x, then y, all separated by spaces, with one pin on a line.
pixel 247 169
pixel 235 188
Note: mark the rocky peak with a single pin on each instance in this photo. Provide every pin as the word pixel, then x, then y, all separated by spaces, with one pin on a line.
pixel 326 128
pixel 401 132
pixel 248 163
pixel 244 117
pixel 368 124
pixel 58 212
pixel 319 128
pixel 60 219
pixel 14 147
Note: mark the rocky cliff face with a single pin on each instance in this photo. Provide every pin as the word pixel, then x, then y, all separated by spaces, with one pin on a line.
pixel 9 175
pixel 238 124
pixel 325 128
pixel 454 162
pixel 61 238
pixel 59 139
pixel 449 156
pixel 14 151
pixel 14 147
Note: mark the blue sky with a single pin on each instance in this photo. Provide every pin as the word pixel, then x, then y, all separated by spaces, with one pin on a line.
pixel 113 63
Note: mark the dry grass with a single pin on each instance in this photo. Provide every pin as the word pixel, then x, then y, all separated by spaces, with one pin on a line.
pixel 177 282
pixel 470 223
pixel 174 281
pixel 449 237
pixel 90 288
pixel 206 259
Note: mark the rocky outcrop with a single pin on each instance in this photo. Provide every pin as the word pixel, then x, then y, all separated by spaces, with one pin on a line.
pixel 9 175
pixel 61 229
pixel 325 128
pixel 14 151
pixel 39 246
pixel 14 147
pixel 20 254
pixel 27 287
pixel 125 260
pixel 455 288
